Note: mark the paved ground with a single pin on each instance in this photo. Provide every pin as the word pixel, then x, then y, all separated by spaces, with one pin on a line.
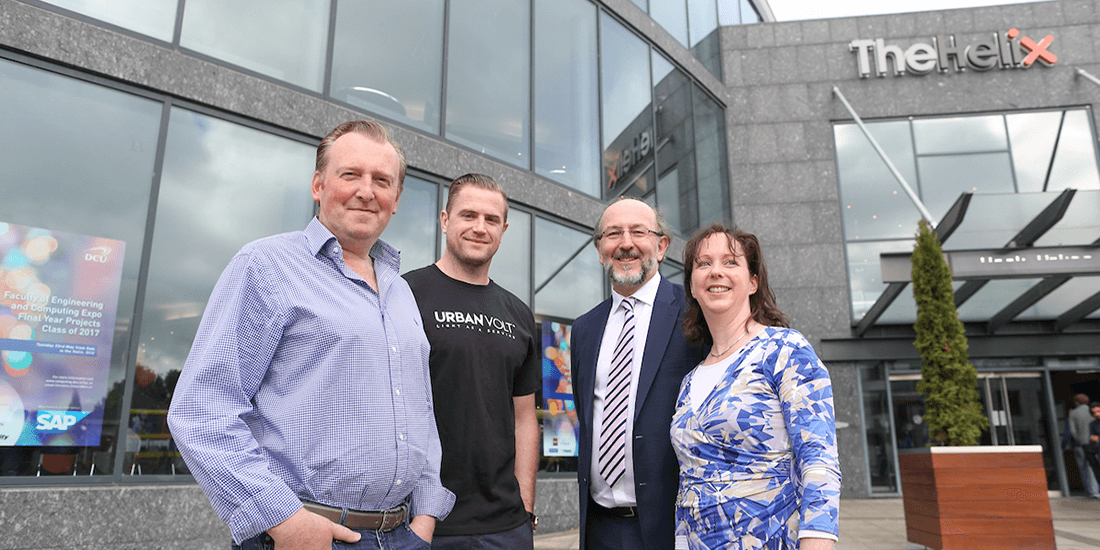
pixel 879 524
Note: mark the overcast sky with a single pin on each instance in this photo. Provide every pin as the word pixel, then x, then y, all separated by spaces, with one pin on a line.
pixel 789 10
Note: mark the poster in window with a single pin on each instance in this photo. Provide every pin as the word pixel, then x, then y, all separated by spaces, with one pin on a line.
pixel 58 299
pixel 559 419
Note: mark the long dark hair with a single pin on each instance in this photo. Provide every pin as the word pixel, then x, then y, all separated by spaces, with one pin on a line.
pixel 761 304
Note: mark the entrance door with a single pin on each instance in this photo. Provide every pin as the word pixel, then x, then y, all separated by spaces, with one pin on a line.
pixel 1018 414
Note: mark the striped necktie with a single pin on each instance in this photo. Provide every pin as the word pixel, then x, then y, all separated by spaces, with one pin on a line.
pixel 612 451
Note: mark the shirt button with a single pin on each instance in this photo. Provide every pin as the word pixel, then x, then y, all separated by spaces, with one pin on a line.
pixel 398 482
pixel 401 437
pixel 397 392
pixel 394 348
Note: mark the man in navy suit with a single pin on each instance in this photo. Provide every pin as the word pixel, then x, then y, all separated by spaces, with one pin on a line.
pixel 628 361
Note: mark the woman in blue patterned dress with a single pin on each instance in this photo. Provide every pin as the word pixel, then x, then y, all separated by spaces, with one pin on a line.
pixel 753 427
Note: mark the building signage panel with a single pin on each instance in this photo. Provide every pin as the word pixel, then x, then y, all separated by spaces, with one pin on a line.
pixel 998 264
pixel 1004 50
pixel 58 298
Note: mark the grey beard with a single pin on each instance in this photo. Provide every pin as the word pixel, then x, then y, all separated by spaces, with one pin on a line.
pixel 630 280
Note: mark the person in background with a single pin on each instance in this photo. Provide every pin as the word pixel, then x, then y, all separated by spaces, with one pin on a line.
pixel 753 429
pixel 628 359
pixel 1092 447
pixel 486 364
pixel 304 409
pixel 1079 419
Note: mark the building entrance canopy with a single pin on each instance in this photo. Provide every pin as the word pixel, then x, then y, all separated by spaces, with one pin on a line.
pixel 1023 263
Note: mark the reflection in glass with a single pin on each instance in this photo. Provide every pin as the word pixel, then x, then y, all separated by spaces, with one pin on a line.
pixel 78 158
pixel 677 188
pixel 412 228
pixel 873 203
pixel 711 169
pixel 877 429
pixel 224 185
pixel 729 12
pixel 511 267
pixel 944 178
pixel 155 18
pixel 375 70
pixel 748 13
pixel 625 100
pixel 1079 225
pixel 993 220
pixel 568 275
pixel 488 78
pixel 566 94
pixel 1075 162
pixel 971 134
pixel 671 15
pixel 283 39
pixel 705 43
pixel 1063 298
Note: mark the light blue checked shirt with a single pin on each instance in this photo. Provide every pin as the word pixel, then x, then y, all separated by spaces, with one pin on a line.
pixel 304 383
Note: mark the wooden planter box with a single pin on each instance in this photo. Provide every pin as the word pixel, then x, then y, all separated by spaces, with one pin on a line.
pixel 976 497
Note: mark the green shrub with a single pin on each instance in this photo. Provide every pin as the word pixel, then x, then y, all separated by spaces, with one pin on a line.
pixel 949 382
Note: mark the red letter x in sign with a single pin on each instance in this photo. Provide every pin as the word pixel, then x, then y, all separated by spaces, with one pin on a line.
pixel 1036 51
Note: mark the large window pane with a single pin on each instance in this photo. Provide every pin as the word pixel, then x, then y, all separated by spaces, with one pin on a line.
pixel 873 203
pixel 1032 136
pixel 959 135
pixel 711 169
pixel 626 108
pixel 283 39
pixel 76 160
pixel 865 272
pixel 224 185
pixel 412 229
pixel 488 78
pixel 511 267
pixel 396 69
pixel 566 96
pixel 944 178
pixel 155 18
pixel 878 431
pixel 672 16
pixel 1075 162
pixel 568 275
pixel 705 43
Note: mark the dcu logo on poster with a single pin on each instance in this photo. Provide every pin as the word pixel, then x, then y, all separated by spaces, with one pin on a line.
pixel 58 421
pixel 97 254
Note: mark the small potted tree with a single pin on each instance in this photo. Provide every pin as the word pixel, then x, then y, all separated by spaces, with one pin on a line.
pixel 956 493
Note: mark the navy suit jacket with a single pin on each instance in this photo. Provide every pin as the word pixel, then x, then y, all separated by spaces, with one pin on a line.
pixel 667 358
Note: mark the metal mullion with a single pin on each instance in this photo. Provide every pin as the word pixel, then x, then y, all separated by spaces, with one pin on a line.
pixel 446 59
pixel 330 49
pixel 177 31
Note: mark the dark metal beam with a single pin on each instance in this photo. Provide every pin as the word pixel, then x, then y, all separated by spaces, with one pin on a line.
pixel 1026 300
pixel 1027 236
pixel 1078 312
pixel 1023 345
pixel 893 290
pixel 950 222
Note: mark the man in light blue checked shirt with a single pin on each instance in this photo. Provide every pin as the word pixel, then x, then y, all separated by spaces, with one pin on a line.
pixel 305 410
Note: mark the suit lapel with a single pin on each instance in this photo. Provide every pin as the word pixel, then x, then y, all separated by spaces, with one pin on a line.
pixel 661 324
pixel 584 366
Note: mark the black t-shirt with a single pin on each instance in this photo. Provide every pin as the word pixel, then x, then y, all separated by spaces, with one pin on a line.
pixel 485 351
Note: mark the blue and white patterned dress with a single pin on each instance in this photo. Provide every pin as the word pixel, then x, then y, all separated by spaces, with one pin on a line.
pixel 758 458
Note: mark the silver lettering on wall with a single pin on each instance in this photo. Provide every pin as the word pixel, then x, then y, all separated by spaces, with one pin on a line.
pixel 1007 50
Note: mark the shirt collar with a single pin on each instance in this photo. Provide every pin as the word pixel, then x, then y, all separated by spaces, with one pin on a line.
pixel 646 295
pixel 322 241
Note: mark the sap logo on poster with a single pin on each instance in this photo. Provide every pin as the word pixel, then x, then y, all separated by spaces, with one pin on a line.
pixel 58 421
pixel 97 254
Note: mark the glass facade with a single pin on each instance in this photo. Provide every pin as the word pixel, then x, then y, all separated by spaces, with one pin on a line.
pixel 531 83
pixel 1015 164
pixel 221 184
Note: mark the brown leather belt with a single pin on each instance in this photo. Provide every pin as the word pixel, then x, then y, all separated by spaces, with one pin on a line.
pixel 384 521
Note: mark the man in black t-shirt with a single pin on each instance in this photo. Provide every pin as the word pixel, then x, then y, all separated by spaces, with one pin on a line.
pixel 485 365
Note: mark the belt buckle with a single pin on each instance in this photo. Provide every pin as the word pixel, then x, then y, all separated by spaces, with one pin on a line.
pixel 385 521
pixel 631 512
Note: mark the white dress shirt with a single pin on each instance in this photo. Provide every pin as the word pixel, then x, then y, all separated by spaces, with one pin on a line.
pixel 622 494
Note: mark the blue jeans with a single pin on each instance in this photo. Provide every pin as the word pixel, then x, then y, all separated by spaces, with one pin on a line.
pixel 1087 478
pixel 401 538
pixel 520 538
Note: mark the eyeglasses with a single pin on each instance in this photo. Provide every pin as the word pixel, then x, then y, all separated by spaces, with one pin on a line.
pixel 615 234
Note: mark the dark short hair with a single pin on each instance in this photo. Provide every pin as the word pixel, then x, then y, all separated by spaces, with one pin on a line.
pixel 475 180
pixel 1094 404
pixel 368 128
pixel 761 304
